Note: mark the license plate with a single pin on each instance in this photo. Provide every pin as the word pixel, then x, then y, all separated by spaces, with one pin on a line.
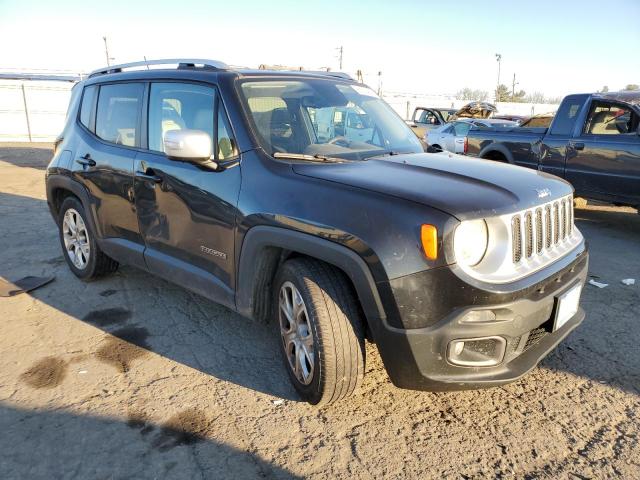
pixel 567 306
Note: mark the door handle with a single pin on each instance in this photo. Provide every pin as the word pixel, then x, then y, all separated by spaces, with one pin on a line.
pixel 148 176
pixel 86 160
pixel 577 145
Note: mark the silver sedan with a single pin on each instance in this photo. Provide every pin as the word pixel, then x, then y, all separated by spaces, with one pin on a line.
pixel 452 137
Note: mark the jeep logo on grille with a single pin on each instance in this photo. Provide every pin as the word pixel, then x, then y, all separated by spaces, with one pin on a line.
pixel 543 192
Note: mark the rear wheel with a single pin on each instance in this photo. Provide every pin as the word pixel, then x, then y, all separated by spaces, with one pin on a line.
pixel 322 337
pixel 82 253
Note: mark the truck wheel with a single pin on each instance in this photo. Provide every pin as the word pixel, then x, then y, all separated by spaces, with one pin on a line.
pixel 84 257
pixel 322 335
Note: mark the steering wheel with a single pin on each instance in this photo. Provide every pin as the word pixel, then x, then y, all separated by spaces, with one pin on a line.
pixel 339 138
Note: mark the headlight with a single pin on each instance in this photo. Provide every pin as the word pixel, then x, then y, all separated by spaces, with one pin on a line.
pixel 470 242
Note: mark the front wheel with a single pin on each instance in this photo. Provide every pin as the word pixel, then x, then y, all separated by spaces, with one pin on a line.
pixel 322 337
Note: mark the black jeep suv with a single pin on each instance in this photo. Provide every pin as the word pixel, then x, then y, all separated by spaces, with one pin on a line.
pixel 303 198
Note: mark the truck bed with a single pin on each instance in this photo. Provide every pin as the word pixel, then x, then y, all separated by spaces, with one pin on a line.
pixel 518 145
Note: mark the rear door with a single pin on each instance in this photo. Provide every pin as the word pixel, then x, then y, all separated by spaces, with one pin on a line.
pixel 603 160
pixel 110 119
pixel 187 212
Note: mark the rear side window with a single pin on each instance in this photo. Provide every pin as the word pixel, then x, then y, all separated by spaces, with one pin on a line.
pixel 461 128
pixel 118 113
pixel 611 119
pixel 566 117
pixel 88 99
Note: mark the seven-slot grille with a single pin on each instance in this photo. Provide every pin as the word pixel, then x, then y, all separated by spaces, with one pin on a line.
pixel 540 229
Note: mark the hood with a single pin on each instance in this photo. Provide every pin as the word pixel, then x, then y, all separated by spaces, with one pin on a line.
pixel 476 110
pixel 460 186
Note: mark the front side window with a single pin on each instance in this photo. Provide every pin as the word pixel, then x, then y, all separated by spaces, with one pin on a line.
pixel 179 106
pixel 610 119
pixel 429 118
pixel 88 99
pixel 117 117
pixel 325 117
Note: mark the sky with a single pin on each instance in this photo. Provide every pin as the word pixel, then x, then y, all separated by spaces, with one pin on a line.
pixel 423 47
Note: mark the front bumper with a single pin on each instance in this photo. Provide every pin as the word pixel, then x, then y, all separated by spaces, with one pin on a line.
pixel 416 358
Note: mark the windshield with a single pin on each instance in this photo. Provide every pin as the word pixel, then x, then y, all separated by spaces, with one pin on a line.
pixel 320 117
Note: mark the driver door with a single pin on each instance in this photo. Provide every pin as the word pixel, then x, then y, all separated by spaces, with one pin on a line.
pixel 187 212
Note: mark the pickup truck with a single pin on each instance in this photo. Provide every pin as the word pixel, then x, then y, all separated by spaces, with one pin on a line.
pixel 593 142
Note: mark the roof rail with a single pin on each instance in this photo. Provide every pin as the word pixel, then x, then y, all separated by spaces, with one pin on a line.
pixel 182 63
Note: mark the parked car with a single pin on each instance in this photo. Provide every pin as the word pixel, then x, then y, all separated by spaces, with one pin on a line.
pixel 593 142
pixel 479 110
pixel 215 179
pixel 453 137
pixel 425 119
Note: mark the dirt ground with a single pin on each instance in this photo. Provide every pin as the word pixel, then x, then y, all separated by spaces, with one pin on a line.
pixel 132 377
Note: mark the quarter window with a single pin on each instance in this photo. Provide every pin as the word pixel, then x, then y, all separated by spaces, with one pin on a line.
pixel 118 113
pixel 226 144
pixel 88 99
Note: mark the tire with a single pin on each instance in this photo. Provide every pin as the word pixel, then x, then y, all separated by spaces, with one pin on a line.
pixel 331 314
pixel 92 262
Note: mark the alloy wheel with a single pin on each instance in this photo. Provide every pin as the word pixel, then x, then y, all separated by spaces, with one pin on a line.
pixel 295 329
pixel 76 239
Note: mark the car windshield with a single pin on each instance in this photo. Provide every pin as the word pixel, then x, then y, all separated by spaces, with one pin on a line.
pixel 325 118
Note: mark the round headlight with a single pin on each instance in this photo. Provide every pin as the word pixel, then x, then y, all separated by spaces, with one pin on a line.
pixel 470 242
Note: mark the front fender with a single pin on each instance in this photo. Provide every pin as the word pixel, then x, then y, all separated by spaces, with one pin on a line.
pixel 260 238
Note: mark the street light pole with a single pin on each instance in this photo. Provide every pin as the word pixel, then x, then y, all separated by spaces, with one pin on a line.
pixel 106 50
pixel 499 60
pixel 340 56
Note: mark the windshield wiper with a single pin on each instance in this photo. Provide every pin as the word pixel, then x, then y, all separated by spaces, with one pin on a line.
pixel 308 158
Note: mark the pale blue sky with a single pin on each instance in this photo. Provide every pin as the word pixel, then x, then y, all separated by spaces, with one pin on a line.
pixel 556 47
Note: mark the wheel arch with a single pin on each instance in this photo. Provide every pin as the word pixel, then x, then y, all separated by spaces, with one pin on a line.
pixel 60 187
pixel 497 152
pixel 265 248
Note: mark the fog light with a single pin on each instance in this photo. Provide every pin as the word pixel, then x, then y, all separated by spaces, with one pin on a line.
pixel 477 352
pixel 479 316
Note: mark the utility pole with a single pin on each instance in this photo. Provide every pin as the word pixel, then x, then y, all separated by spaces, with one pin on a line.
pixel 499 60
pixel 106 51
pixel 513 87
pixel 340 56
pixel 379 84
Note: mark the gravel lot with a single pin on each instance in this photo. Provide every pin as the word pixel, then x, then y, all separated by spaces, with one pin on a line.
pixel 132 377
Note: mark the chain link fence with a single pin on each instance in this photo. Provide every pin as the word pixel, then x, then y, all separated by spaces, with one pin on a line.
pixel 32 111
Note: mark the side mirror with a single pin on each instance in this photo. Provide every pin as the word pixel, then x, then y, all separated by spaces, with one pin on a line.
pixel 190 145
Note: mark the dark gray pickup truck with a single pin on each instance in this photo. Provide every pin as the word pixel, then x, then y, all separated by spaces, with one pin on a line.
pixel 593 142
